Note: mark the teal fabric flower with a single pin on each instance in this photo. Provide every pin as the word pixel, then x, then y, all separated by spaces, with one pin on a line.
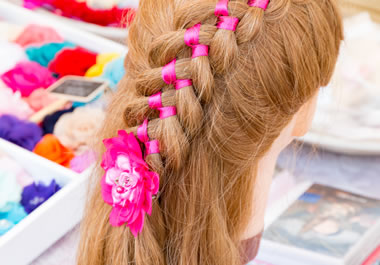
pixel 45 54
pixel 10 215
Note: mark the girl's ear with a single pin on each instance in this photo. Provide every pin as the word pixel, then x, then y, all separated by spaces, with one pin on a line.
pixel 304 117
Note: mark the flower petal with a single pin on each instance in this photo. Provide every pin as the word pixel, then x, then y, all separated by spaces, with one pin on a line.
pixel 117 216
pixel 137 226
pixel 106 191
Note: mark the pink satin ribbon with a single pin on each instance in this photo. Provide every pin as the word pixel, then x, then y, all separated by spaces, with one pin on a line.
pixel 155 101
pixel 192 35
pixel 227 23
pixel 199 50
pixel 168 73
pixel 192 40
pixel 221 8
pixel 166 112
pixel 152 147
pixel 181 83
pixel 263 4
pixel 142 132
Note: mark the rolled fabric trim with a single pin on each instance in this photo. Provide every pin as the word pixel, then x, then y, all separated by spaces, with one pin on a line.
pixel 155 101
pixel 142 132
pixel 263 4
pixel 166 112
pixel 181 83
pixel 221 8
pixel 227 23
pixel 199 50
pixel 152 147
pixel 168 73
pixel 192 35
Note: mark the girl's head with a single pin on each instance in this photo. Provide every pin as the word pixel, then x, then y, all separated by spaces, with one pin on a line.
pixel 253 82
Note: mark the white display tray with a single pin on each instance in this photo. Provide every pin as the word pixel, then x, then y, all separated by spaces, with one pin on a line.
pixel 49 222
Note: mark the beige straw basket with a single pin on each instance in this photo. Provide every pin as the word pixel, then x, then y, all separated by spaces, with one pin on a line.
pixel 351 7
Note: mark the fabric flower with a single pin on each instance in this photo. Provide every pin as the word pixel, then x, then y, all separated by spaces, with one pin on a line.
pixel 50 120
pixel 37 35
pixel 13 104
pixel 114 72
pixel 36 194
pixel 101 61
pixel 127 184
pixel 22 133
pixel 39 99
pixel 45 54
pixel 72 62
pixel 10 54
pixel 76 130
pixel 82 162
pixel 10 190
pixel 80 9
pixel 11 214
pixel 51 148
pixel 28 76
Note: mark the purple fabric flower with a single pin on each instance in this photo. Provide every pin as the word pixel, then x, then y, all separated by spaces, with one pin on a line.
pixel 23 133
pixel 37 193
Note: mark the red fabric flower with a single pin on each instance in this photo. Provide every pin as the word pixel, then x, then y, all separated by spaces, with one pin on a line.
pixel 80 10
pixel 72 62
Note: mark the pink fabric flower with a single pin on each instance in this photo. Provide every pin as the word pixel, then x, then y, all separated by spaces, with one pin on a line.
pixel 37 35
pixel 39 99
pixel 27 77
pixel 127 184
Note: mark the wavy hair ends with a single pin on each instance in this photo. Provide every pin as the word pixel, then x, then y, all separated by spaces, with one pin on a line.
pixel 243 95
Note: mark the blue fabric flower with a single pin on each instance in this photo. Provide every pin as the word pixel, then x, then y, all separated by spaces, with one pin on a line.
pixel 46 53
pixel 114 72
pixel 23 133
pixel 11 214
pixel 37 193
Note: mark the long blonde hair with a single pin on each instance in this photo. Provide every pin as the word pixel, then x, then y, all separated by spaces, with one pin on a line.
pixel 244 93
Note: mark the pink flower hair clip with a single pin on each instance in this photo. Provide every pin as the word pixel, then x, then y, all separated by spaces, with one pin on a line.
pixel 127 184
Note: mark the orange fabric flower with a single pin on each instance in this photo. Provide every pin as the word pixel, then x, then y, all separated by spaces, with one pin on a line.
pixel 51 148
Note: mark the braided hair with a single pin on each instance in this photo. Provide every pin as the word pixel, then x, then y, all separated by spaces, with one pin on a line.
pixel 217 86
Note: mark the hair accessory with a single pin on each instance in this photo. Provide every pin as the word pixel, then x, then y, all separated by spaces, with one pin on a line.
pixel 152 147
pixel 199 50
pixel 22 133
pixel 181 83
pixel 263 4
pixel 75 130
pixel 51 148
pixel 227 23
pixel 168 73
pixel 192 40
pixel 221 8
pixel 45 54
pixel 13 104
pixel 166 112
pixel 74 61
pixel 155 101
pixel 113 72
pixel 37 35
pixel 192 35
pixel 36 194
pixel 27 76
pixel 142 132
pixel 127 185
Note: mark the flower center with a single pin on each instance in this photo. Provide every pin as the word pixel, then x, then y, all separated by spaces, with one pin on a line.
pixel 124 182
